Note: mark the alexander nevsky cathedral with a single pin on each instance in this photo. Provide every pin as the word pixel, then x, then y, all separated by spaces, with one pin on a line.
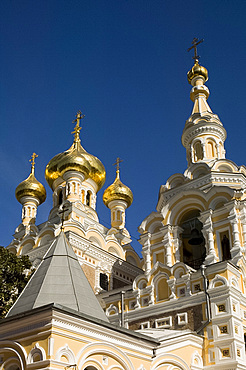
pixel 93 303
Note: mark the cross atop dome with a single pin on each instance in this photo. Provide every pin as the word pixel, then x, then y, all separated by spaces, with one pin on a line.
pixel 117 164
pixel 77 127
pixel 195 42
pixel 32 160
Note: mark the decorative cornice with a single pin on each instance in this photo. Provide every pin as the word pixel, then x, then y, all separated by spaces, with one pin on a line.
pixel 86 246
pixel 211 179
pixel 203 128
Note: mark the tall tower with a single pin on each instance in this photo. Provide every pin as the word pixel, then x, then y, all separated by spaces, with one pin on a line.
pixel 203 135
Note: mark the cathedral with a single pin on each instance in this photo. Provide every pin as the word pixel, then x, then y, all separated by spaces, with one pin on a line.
pixel 93 303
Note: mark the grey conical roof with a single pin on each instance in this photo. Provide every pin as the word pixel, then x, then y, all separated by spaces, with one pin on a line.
pixel 59 279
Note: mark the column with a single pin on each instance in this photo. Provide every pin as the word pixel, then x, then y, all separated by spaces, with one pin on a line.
pixel 171 284
pixel 206 219
pixel 167 241
pixel 186 279
pixel 177 230
pixel 236 250
pixel 218 150
pixel 243 223
pixel 145 241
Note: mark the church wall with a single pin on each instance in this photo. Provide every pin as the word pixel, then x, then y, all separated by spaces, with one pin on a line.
pixel 173 319
pixel 90 274
pixel 63 339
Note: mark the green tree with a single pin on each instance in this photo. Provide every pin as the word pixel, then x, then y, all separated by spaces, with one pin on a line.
pixel 12 278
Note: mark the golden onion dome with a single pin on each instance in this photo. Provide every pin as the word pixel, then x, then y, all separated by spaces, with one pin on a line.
pixel 73 160
pixel 118 191
pixel 197 70
pixel 76 158
pixel 31 186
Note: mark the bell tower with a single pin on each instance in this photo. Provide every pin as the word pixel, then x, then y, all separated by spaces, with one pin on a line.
pixel 204 135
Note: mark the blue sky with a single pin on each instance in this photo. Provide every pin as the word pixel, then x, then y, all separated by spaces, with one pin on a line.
pixel 124 64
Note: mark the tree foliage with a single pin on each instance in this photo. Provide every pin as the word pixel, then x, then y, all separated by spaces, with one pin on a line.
pixel 12 278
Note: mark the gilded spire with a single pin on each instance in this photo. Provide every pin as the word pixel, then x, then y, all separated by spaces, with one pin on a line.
pixel 117 164
pixel 77 127
pixel 32 160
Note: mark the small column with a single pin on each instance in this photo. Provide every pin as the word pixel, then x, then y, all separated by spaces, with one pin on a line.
pixel 177 230
pixel 243 223
pixel 97 287
pixel 151 295
pixel 137 296
pixel 192 151
pixel 203 150
pixel 218 150
pixel 145 241
pixel 171 283
pixel 186 279
pixel 167 241
pixel 236 250
pixel 206 219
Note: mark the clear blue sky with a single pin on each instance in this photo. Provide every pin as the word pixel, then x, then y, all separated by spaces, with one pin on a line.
pixel 124 64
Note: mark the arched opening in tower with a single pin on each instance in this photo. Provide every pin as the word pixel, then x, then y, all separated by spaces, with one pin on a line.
pixel 60 197
pixel 88 198
pixel 193 251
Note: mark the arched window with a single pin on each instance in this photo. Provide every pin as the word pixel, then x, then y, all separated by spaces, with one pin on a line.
pixel 162 290
pixel 198 151
pixel 83 196
pixel 118 215
pixel 193 251
pixel 104 281
pixel 210 149
pixel 225 246
pixel 88 198
pixel 60 197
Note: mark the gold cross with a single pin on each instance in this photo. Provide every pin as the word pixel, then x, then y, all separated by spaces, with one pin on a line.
pixel 79 116
pixel 117 164
pixel 195 42
pixel 32 160
pixel 77 127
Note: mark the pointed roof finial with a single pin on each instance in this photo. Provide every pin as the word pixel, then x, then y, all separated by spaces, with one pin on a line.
pixel 77 127
pixel 195 42
pixel 117 164
pixel 32 160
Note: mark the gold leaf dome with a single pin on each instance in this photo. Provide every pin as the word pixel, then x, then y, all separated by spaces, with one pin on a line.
pixel 76 158
pixel 31 187
pixel 118 191
pixel 197 70
pixel 73 160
